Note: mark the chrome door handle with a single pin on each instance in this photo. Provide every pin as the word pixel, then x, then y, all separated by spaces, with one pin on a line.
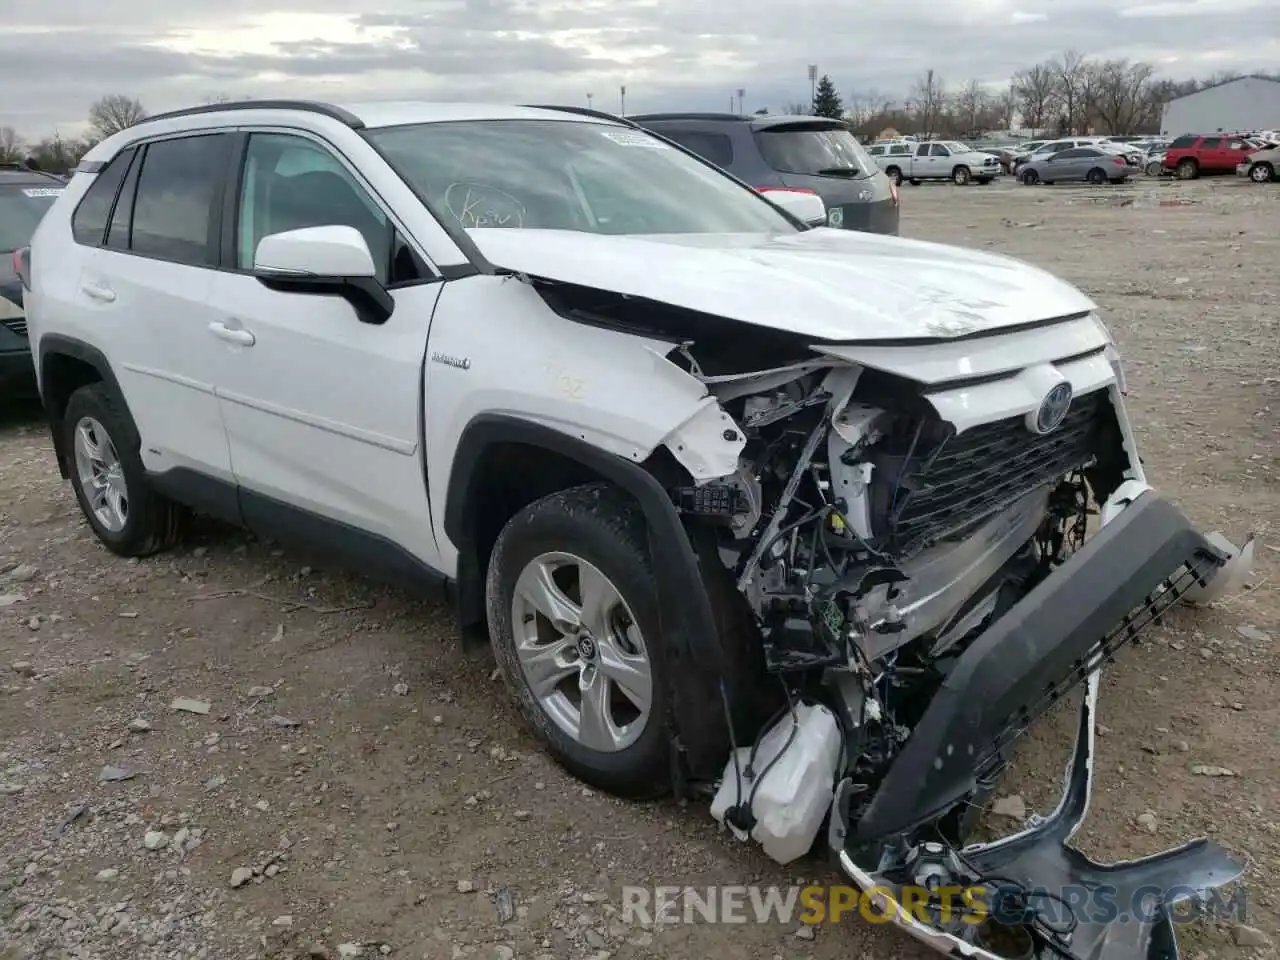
pixel 97 292
pixel 236 335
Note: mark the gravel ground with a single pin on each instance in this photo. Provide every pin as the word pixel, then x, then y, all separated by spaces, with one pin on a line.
pixel 351 786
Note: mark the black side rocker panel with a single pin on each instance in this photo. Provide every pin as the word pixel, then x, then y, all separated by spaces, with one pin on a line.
pixel 695 656
pixel 1051 634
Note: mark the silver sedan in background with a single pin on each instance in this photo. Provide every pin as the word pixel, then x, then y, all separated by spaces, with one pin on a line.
pixel 1093 164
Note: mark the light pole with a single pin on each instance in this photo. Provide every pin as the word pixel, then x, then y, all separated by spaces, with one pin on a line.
pixel 589 96
pixel 813 84
pixel 741 94
pixel 622 101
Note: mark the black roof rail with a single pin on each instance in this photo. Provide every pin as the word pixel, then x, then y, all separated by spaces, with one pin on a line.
pixel 581 111
pixel 690 116
pixel 308 106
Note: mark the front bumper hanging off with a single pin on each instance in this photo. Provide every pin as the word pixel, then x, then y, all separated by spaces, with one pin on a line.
pixel 1145 559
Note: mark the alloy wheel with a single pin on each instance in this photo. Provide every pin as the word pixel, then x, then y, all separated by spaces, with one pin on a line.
pixel 101 475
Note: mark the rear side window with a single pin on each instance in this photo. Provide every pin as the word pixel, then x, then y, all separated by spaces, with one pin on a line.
pixel 716 147
pixel 815 151
pixel 89 222
pixel 900 151
pixel 22 206
pixel 179 189
pixel 1211 143
pixel 1183 141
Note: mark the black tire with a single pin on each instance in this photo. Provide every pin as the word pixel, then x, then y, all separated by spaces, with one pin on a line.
pixel 1188 169
pixel 961 175
pixel 1030 178
pixel 983 181
pixel 1262 173
pixel 914 181
pixel 153 522
pixel 601 525
pixel 894 174
pixel 1097 176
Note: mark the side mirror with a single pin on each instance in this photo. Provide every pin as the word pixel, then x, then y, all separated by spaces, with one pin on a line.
pixel 324 261
pixel 807 207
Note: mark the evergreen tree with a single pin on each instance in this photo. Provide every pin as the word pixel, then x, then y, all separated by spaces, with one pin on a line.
pixel 826 102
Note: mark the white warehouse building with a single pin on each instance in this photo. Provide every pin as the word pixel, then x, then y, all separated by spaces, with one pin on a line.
pixel 1247 103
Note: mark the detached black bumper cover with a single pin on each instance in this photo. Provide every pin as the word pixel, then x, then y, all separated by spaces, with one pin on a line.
pixel 1111 589
pixel 1135 567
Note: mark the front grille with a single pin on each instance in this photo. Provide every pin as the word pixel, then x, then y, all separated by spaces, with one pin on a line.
pixel 969 476
pixel 18 326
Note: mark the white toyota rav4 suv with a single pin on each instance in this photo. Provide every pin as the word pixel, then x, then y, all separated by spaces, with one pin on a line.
pixel 709 476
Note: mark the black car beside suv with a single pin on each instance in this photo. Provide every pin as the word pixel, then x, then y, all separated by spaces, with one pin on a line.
pixel 801 153
pixel 25 195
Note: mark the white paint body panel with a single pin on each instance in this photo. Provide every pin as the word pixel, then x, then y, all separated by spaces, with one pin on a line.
pixel 838 285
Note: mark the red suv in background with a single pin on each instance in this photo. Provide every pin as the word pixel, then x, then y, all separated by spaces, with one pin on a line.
pixel 1193 154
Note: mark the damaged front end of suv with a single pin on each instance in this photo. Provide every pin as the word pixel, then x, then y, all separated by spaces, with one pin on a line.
pixel 934 543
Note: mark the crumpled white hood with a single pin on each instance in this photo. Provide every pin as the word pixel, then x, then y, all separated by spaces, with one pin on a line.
pixel 824 283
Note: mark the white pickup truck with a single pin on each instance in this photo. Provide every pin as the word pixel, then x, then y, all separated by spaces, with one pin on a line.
pixel 935 160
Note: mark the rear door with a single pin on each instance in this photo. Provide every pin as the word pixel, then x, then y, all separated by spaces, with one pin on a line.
pixel 813 153
pixel 145 290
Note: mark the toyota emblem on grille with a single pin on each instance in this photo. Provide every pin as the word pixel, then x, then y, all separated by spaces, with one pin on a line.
pixel 1053 409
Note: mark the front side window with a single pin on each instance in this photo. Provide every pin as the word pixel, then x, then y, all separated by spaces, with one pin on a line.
pixel 179 186
pixel 569 175
pixel 290 183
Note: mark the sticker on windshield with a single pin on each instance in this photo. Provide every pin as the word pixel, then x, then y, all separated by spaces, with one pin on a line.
pixel 630 138
pixel 43 192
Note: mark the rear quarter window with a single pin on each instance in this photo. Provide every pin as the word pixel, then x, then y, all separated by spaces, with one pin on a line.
pixel 89 222
pixel 715 147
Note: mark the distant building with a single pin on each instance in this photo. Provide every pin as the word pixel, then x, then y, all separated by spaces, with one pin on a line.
pixel 1247 103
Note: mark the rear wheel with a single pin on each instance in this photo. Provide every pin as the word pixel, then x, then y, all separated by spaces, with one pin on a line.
pixel 1097 176
pixel 575 628
pixel 1262 173
pixel 1030 177
pixel 961 176
pixel 1188 169
pixel 109 479
pixel 1154 168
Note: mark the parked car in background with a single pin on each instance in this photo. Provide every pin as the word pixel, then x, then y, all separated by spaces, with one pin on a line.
pixel 1092 163
pixel 1261 165
pixel 788 154
pixel 944 160
pixel 1023 153
pixel 25 195
pixel 1192 155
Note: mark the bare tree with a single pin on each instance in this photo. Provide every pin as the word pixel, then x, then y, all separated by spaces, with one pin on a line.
pixel 1072 76
pixel 10 145
pixel 1121 95
pixel 928 99
pixel 115 112
pixel 971 102
pixel 1034 87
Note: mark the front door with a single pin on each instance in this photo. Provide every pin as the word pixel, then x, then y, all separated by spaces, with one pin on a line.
pixel 322 410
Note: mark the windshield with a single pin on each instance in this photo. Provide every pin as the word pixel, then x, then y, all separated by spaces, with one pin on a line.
pixel 569 175
pixel 814 151
pixel 21 207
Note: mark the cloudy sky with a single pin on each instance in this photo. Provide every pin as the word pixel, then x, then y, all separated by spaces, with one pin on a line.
pixel 57 56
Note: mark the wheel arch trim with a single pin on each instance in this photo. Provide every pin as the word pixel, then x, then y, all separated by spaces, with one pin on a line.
pixel 56 344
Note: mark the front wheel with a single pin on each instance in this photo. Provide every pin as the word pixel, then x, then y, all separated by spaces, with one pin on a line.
pixel 109 479
pixel 1097 176
pixel 1154 168
pixel 1030 178
pixel 960 176
pixel 573 619
pixel 1261 173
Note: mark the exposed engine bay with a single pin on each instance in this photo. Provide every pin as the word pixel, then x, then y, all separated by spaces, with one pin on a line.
pixel 922 595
